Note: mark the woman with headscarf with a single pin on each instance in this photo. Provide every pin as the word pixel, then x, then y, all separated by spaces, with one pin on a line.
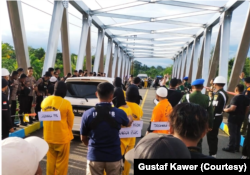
pixel 58 134
pixel 126 143
pixel 118 84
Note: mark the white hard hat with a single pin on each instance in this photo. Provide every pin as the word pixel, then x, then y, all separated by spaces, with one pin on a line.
pixel 53 79
pixel 22 156
pixel 220 80
pixel 5 72
pixel 162 92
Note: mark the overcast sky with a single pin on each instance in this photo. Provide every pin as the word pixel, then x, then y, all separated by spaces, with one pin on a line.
pixel 37 23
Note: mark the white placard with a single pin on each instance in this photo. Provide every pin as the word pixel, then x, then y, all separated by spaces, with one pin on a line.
pixel 137 124
pixel 160 126
pixel 49 116
pixel 129 132
pixel 249 118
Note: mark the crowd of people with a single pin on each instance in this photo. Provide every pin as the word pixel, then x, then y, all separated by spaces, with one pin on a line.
pixel 191 115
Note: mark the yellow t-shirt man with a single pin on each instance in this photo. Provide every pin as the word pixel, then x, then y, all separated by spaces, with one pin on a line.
pixel 161 113
pixel 137 114
pixel 58 132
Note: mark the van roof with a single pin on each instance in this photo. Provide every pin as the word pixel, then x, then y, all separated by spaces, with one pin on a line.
pixel 90 79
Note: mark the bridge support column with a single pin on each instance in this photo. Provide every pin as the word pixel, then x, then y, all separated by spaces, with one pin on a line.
pixel 86 23
pixel 115 60
pixel 206 55
pixel 88 52
pixel 215 59
pixel 65 43
pixel 98 50
pixel 241 55
pixel 189 54
pixel 119 63
pixel 225 42
pixel 18 33
pixel 195 59
pixel 101 66
pixel 184 53
pixel 108 57
pixel 181 63
pixel 55 27
pixel 200 61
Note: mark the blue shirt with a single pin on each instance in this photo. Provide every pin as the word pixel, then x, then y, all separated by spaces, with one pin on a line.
pixel 104 141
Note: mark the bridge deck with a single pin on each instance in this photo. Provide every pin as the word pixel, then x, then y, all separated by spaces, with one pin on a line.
pixel 78 152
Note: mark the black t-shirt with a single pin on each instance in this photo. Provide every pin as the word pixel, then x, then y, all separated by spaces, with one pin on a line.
pixel 174 97
pixel 241 101
pixel 195 154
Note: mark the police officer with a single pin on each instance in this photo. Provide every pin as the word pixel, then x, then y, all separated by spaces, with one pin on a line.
pixel 41 87
pixel 23 97
pixel 203 100
pixel 30 81
pixel 220 99
pixel 246 144
pixel 6 120
pixel 6 76
pixel 187 85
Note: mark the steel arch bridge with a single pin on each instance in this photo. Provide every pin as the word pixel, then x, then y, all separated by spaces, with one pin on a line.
pixel 191 55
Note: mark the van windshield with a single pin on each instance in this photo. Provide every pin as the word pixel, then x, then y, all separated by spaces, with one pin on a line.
pixel 81 89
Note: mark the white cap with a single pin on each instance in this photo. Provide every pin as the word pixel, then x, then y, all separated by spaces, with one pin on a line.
pixel 22 156
pixel 220 80
pixel 162 92
pixel 5 72
pixel 53 79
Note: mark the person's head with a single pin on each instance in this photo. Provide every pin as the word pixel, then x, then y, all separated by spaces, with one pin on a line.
pixel 104 74
pixel 158 146
pixel 161 93
pixel 136 81
pixel 5 74
pixel 14 75
pixel 94 74
pixel 4 84
pixel 91 74
pixel 239 89
pixel 80 72
pixel 219 82
pixel 197 85
pixel 105 92
pixel 179 82
pixel 47 76
pixel 173 83
pixel 60 89
pixel 68 75
pixel 185 79
pixel 118 99
pixel 22 78
pixel 99 75
pixel 132 94
pixel 247 81
pixel 53 80
pixel 189 122
pixel 118 82
pixel 76 72
pixel 51 70
pixel 22 156
pixel 20 71
pixel 56 74
pixel 58 70
pixel 30 71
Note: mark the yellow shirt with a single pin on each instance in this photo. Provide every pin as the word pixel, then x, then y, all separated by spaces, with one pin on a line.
pixel 137 114
pixel 126 141
pixel 58 132
pixel 124 94
pixel 161 113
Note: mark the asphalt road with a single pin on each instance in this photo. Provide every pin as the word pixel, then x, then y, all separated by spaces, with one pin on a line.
pixel 78 152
